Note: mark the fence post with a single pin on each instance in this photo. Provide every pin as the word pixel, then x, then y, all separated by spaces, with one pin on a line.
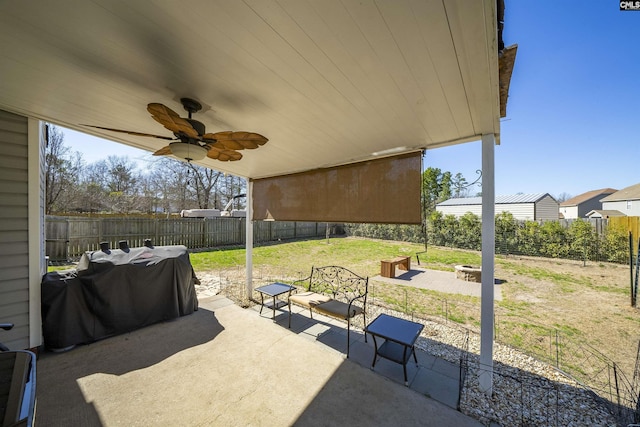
pixel 100 231
pixel 406 307
pixel 557 350
pixel 67 240
pixel 635 286
pixel 632 293
pixel 615 376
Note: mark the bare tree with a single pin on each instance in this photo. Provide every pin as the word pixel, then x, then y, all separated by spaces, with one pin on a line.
pixel 203 181
pixel 121 183
pixel 170 178
pixel 94 188
pixel 62 168
pixel 231 187
pixel 563 197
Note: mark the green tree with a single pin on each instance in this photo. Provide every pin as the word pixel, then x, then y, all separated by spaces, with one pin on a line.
pixel 460 185
pixel 583 238
pixel 553 241
pixel 616 244
pixel 506 226
pixel 435 228
pixel 470 232
pixel 436 188
pixel 528 238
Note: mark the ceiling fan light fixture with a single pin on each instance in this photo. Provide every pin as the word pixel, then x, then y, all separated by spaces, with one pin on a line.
pixel 188 151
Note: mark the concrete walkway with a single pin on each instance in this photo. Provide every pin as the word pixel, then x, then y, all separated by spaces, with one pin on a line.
pixel 435 280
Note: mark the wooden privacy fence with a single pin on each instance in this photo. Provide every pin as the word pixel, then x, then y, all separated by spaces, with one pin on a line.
pixel 630 223
pixel 68 238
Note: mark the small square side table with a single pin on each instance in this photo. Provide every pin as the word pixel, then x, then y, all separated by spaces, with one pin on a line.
pixel 399 337
pixel 274 290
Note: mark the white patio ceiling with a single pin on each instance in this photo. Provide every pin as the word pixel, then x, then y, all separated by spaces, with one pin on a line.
pixel 328 82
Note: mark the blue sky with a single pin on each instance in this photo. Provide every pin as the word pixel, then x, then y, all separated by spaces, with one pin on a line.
pixel 571 122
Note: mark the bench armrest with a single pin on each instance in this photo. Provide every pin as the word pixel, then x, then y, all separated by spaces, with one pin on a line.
pixel 300 282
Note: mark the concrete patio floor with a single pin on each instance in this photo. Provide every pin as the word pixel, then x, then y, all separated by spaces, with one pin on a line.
pixel 225 365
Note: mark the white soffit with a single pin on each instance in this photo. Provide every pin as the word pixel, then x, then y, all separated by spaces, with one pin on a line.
pixel 328 82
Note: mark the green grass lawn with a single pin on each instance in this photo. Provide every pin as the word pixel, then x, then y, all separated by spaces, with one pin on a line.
pixel 360 255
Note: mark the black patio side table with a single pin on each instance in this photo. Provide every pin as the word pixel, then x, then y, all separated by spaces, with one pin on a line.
pixel 399 337
pixel 274 290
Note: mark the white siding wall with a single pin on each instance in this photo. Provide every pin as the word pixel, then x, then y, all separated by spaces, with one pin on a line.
pixel 518 210
pixel 546 209
pixel 458 211
pixel 633 210
pixel 14 229
pixel 569 212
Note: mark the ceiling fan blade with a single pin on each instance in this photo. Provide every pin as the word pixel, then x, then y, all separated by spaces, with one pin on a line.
pixel 239 140
pixel 223 155
pixel 132 132
pixel 171 120
pixel 164 151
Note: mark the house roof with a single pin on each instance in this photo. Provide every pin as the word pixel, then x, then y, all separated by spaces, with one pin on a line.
pixel 581 198
pixel 327 84
pixel 606 213
pixel 499 200
pixel 628 193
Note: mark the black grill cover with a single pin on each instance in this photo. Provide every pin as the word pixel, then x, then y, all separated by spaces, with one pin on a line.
pixel 116 291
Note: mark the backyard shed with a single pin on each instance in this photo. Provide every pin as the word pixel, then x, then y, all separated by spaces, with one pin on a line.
pixel 535 207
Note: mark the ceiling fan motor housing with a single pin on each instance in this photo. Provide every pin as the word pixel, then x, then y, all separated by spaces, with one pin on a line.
pixel 198 126
pixel 191 105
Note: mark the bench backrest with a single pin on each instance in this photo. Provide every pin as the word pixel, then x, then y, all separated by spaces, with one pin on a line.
pixel 338 282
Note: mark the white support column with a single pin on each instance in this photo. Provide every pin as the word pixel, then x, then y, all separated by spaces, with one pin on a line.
pixel 249 235
pixel 488 263
pixel 36 220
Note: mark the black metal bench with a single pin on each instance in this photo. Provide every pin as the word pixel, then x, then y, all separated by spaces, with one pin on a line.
pixel 333 291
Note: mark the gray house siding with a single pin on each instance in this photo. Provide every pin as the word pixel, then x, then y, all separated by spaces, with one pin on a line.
pixel 583 208
pixel 627 207
pixel 14 229
pixel 588 206
pixel 546 209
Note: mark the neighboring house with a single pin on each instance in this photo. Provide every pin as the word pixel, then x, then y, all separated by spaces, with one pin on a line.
pixel 626 201
pixel 603 214
pixel 540 206
pixel 579 206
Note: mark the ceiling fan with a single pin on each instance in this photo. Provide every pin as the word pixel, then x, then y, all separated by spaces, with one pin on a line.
pixel 190 140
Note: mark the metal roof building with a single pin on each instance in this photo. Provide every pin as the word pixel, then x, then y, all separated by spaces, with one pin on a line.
pixel 538 206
